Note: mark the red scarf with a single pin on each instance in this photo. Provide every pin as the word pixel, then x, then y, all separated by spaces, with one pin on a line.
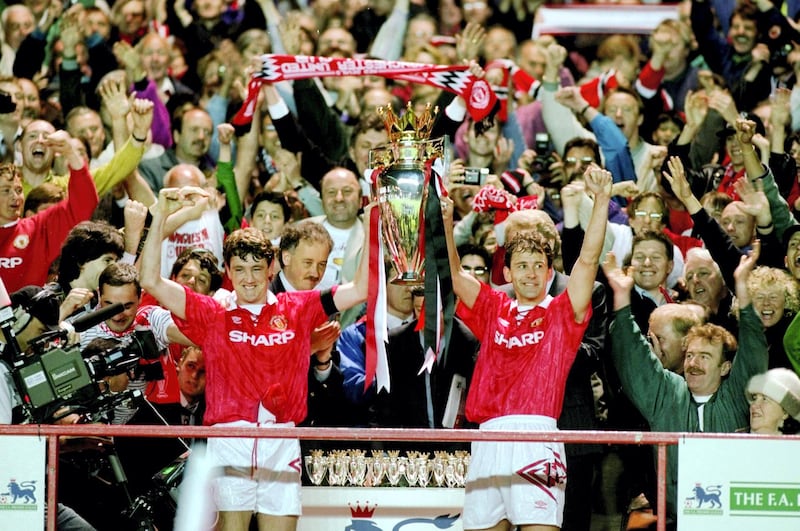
pixel 477 93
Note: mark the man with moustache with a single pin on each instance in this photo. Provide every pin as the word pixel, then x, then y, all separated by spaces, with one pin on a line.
pixel 303 257
pixel 710 396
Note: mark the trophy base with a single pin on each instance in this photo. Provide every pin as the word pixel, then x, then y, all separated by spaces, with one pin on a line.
pixel 409 278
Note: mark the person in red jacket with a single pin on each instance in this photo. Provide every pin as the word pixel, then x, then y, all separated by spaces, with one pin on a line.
pixel 29 245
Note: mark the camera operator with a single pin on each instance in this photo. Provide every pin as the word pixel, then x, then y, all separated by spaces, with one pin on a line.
pixel 119 283
pixel 36 311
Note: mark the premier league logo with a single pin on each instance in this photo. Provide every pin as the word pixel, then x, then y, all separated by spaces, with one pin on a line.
pixel 19 493
pixel 362 520
pixel 704 500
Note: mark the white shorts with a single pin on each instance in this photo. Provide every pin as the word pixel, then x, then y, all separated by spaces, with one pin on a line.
pixel 264 479
pixel 522 482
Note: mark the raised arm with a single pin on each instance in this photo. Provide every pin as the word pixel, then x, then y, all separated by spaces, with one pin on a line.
pixel 718 242
pixel 742 273
pixel 465 286
pixel 355 292
pixel 620 282
pixel 581 280
pixel 169 294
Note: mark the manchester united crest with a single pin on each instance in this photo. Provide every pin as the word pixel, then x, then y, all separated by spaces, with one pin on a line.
pixel 21 241
pixel 278 322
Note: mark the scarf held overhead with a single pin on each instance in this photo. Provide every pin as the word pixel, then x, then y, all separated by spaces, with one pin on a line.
pixel 478 95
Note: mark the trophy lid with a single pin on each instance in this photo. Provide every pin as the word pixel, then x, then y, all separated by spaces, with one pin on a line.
pixel 409 127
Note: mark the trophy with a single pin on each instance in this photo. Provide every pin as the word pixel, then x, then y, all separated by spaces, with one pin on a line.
pixel 403 169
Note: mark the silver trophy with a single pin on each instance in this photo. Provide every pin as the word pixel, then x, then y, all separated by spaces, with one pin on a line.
pixel 402 187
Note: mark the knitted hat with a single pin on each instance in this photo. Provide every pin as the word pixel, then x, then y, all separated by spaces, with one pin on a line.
pixel 782 386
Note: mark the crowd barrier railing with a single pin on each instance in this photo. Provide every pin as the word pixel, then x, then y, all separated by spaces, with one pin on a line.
pixel 659 439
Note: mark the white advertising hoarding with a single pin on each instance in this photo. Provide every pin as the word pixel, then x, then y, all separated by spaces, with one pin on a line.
pixel 381 509
pixel 22 483
pixel 738 485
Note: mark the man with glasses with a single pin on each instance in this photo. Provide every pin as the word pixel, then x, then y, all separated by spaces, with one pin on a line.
pixel 475 260
pixel 648 212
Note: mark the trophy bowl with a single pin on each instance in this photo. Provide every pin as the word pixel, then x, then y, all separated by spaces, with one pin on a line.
pixel 402 193
pixel 401 188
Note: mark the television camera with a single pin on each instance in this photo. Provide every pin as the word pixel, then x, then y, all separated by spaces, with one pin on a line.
pixel 53 378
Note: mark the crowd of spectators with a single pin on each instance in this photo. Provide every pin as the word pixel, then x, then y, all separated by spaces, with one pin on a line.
pixel 123 179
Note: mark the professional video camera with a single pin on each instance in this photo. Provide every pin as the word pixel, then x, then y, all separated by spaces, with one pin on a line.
pixel 53 377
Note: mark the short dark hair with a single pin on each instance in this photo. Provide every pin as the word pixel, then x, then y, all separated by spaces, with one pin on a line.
pixel 86 241
pixel 248 242
pixel 43 194
pixel 272 197
pixel 531 242
pixel 652 235
pixel 581 142
pixel 303 230
pixel 791 139
pixel 370 121
pixel 207 261
pixel 745 10
pixel 119 274
pixel 670 116
pixel 477 250
pixel 638 198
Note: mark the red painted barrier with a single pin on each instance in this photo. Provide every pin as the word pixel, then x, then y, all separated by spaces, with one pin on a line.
pixel 661 439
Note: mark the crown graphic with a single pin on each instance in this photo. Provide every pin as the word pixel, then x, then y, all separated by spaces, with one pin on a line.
pixel 362 512
pixel 409 127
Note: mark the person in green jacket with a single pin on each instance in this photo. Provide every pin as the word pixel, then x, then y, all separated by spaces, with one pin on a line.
pixel 710 395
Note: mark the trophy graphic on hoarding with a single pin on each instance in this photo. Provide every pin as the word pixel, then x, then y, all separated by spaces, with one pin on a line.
pixel 402 172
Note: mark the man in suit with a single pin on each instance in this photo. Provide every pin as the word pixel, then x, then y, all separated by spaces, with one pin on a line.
pixel 303 257
pixel 143 457
pixel 341 202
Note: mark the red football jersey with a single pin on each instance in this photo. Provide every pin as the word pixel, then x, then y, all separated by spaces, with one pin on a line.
pixel 524 359
pixel 255 359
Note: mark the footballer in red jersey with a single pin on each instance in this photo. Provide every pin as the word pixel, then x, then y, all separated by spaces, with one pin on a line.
pixel 257 353
pixel 527 348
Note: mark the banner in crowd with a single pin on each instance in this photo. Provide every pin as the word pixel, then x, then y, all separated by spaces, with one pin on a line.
pixel 22 484
pixel 571 19
pixel 738 485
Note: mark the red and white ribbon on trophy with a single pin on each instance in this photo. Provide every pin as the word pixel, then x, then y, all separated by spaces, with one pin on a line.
pixel 478 95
